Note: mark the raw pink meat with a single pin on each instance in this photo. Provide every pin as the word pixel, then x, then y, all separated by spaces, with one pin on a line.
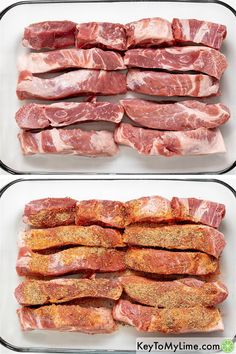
pixel 197 210
pixel 201 59
pixel 201 141
pixel 72 318
pixel 184 115
pixel 75 141
pixel 149 32
pixel 36 116
pixel 166 84
pixel 199 32
pixel 57 60
pixel 175 320
pixel 74 83
pixel 50 35
pixel 101 34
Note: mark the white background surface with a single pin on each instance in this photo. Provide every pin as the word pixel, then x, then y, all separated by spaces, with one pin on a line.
pixel 130 161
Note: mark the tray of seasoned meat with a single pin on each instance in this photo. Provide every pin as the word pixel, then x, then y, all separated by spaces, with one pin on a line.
pixel 100 88
pixel 92 265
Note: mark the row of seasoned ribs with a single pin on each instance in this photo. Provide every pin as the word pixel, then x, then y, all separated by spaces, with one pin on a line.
pixel 143 33
pixel 133 244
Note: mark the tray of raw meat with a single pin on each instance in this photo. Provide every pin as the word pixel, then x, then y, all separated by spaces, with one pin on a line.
pixel 93 265
pixel 99 88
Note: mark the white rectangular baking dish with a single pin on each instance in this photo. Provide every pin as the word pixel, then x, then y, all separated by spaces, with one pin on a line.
pixel 19 15
pixel 12 201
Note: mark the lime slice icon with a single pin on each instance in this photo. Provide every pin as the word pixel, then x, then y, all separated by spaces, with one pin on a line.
pixel 227 346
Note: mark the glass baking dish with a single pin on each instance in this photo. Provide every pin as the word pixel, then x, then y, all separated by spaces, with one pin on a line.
pixel 12 22
pixel 124 340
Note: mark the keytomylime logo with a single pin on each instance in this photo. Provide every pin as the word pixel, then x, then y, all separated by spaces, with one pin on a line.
pixel 227 346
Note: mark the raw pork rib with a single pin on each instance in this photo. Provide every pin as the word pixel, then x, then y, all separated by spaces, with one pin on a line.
pixel 175 320
pixel 71 260
pixel 101 212
pixel 50 212
pixel 73 83
pixel 41 239
pixel 181 237
pixel 199 32
pixel 71 58
pixel 74 141
pixel 39 116
pixel 201 141
pixel 40 292
pixel 197 210
pixel 170 294
pixel 149 32
pixel 149 209
pixel 184 115
pixel 166 84
pixel 201 59
pixel 167 262
pixel 50 35
pixel 72 318
pixel 101 34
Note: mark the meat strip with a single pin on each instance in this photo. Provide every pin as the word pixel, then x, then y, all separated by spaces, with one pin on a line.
pixel 105 35
pixel 60 114
pixel 180 237
pixel 166 262
pixel 175 320
pixel 41 239
pixel 165 84
pixel 58 60
pixel 72 318
pixel 149 32
pixel 40 292
pixel 194 31
pixel 198 210
pixel 186 292
pixel 184 115
pixel 101 212
pixel 193 58
pixel 201 141
pixel 50 212
pixel 72 260
pixel 73 83
pixel 72 141
pixel 49 35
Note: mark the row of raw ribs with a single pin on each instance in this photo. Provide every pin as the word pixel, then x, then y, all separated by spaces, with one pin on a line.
pixel 140 255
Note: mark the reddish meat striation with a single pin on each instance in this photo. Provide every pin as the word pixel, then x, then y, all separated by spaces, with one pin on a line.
pixel 101 212
pixel 71 260
pixel 184 115
pixel 101 34
pixel 148 209
pixel 72 318
pixel 175 320
pixel 181 237
pixel 73 83
pixel 197 210
pixel 199 32
pixel 94 235
pixel 186 292
pixel 201 141
pixel 49 35
pixel 39 116
pixel 74 141
pixel 50 212
pixel 40 292
pixel 149 32
pixel 167 262
pixel 58 60
pixel 170 85
pixel 201 59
